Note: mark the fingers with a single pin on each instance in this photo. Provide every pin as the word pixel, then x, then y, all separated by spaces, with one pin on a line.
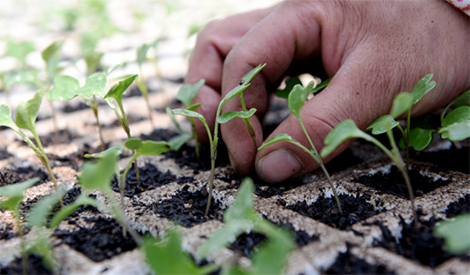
pixel 213 44
pixel 277 40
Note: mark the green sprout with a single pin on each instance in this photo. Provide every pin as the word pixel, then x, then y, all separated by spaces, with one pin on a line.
pixel 455 125
pixel 186 94
pixel 296 100
pixel 456 233
pixel 241 217
pixel 214 138
pixel 19 51
pixel 26 114
pixel 10 198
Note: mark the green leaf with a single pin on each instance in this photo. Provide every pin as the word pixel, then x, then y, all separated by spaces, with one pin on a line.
pixel 24 76
pixel 14 193
pixel 173 119
pixel 193 107
pixel 188 113
pixel 382 124
pixel 321 86
pixel 167 257
pixel 178 141
pixel 98 175
pixel 19 50
pixel 422 87
pixel 456 233
pixel 238 218
pixel 244 83
pixel 42 209
pixel 142 53
pixel 65 88
pixel 115 150
pixel 148 147
pixel 344 130
pixel 5 118
pixel 95 85
pixel 27 112
pixel 42 246
pixel 297 98
pixel 51 51
pixel 187 92
pixel 461 100
pixel 133 143
pixel 290 83
pixel 226 117
pixel 457 115
pixel 457 131
pixel 401 104
pixel 276 139
pixel 118 89
pixel 93 60
pixel 420 138
pixel 252 73
pixel 272 256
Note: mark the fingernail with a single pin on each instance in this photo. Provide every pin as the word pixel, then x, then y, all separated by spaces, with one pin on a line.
pixel 278 166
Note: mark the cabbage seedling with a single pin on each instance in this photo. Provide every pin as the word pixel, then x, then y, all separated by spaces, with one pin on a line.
pixel 186 94
pixel 241 217
pixel 296 100
pixel 347 129
pixel 219 119
pixel 455 126
pixel 26 115
pixel 455 233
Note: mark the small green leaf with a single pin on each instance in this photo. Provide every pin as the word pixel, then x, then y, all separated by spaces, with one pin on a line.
pixel 142 53
pixel 93 60
pixel 422 87
pixel 382 124
pixel 167 257
pixel 187 92
pixel 226 117
pixel 461 100
pixel 456 233
pixel 457 131
pixel 65 88
pixel 344 130
pixel 420 138
pixel 5 118
pixel 28 111
pixel 244 83
pixel 51 51
pixel 321 86
pixel 68 210
pixel 133 143
pixel 193 107
pixel 276 139
pixel 42 246
pixel 173 119
pixel 118 89
pixel 290 83
pixel 115 150
pixel 14 193
pixel 457 115
pixel 401 104
pixel 24 76
pixel 178 141
pixel 98 175
pixel 95 85
pixel 252 73
pixel 188 113
pixel 19 50
pixel 297 98
pixel 148 147
pixel 42 209
pixel 271 257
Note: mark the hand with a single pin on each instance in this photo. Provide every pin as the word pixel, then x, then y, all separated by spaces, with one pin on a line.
pixel 374 50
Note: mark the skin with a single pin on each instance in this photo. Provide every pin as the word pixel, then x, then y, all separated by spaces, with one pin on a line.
pixel 373 49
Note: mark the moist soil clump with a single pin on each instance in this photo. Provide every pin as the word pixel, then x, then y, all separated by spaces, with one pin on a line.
pixel 394 184
pixel 188 208
pixel 20 174
pixel 35 266
pixel 459 207
pixel 347 263
pixel 460 160
pixel 246 243
pixel 150 178
pixel 102 240
pixel 325 210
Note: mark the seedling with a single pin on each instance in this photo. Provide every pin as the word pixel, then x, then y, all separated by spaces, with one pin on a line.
pixel 456 233
pixel 219 119
pixel 26 115
pixel 296 100
pixel 19 51
pixel 241 217
pixel 292 81
pixel 455 126
pixel 14 195
pixel 347 129
pixel 186 94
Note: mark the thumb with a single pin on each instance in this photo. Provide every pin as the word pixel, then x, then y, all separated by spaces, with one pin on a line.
pixel 351 94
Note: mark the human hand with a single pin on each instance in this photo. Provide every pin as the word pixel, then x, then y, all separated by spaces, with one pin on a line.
pixel 373 50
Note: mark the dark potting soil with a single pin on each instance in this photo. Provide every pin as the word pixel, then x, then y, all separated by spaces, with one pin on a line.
pixel 453 159
pixel 4 154
pixel 418 244
pixel 246 243
pixel 150 178
pixel 20 174
pixel 393 183
pixel 68 108
pixel 325 210
pixel 102 240
pixel 65 136
pixel 458 207
pixel 35 266
pixel 188 208
pixel 6 231
pixel 347 263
